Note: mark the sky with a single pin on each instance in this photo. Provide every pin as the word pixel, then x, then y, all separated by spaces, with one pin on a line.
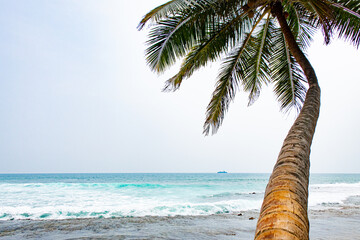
pixel 77 96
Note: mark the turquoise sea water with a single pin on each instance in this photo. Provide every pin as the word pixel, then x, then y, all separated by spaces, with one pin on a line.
pixel 62 196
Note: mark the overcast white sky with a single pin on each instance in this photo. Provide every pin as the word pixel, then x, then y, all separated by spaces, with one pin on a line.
pixel 76 96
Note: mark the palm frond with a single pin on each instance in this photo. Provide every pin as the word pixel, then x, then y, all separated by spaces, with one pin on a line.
pixel 286 75
pixel 228 79
pixel 171 8
pixel 258 72
pixel 349 6
pixel 347 21
pixel 323 15
pixel 220 37
pixel 301 24
pixel 233 71
pixel 171 39
pixel 196 58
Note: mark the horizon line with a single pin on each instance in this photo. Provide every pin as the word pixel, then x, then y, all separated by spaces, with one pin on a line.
pixel 2 173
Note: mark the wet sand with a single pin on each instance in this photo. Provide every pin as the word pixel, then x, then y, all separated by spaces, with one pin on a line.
pixel 330 224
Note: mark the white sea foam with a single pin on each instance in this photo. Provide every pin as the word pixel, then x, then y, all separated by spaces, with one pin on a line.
pixel 94 200
pixel 145 208
pixel 337 193
pixel 59 201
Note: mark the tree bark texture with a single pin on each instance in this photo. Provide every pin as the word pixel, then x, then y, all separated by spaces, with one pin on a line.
pixel 283 214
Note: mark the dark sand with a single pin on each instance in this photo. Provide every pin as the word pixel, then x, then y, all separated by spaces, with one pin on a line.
pixel 330 224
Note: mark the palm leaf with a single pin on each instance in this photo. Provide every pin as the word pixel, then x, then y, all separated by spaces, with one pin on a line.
pixel 301 24
pixel 171 8
pixel 347 21
pixel 232 72
pixel 258 71
pixel 323 15
pixel 220 37
pixel 169 40
pixel 229 77
pixel 286 75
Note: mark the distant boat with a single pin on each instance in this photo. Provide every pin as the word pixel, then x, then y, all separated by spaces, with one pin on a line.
pixel 222 172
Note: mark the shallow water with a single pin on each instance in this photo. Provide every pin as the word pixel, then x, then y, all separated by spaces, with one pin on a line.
pixel 68 196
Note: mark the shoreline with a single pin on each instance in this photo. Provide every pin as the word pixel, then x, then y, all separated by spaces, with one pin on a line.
pixel 338 223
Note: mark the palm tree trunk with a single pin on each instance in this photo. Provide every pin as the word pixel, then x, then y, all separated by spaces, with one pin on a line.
pixel 283 213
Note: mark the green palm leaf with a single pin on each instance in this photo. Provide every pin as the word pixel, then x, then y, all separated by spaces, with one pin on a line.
pixel 347 21
pixel 322 15
pixel 258 70
pixel 172 8
pixel 230 75
pixel 286 75
pixel 233 71
pixel 169 40
pixel 301 24
pixel 220 37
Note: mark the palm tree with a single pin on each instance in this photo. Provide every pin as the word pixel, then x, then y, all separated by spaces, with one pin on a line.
pixel 259 42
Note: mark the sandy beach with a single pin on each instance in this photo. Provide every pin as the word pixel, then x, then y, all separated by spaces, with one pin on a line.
pixel 330 224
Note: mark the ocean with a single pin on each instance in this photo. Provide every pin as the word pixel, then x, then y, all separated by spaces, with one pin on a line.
pixel 171 199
